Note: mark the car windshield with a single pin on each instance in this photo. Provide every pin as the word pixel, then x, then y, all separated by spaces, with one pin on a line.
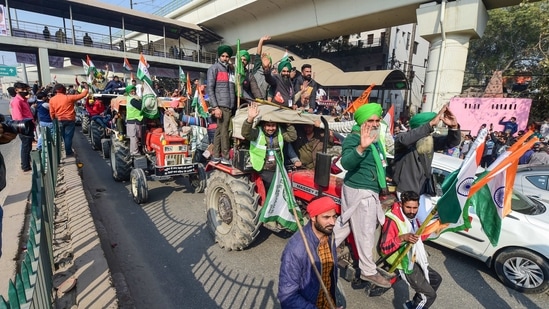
pixel 526 205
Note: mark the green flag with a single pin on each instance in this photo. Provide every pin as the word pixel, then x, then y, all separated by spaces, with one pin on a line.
pixel 280 200
pixel 182 76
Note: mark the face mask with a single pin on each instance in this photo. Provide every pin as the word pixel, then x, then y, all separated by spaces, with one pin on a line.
pixel 24 93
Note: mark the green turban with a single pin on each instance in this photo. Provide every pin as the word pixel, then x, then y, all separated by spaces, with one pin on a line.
pixel 366 111
pixel 245 54
pixel 284 64
pixel 224 49
pixel 422 118
pixel 129 88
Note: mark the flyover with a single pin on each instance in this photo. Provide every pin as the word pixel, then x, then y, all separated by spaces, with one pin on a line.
pixel 447 25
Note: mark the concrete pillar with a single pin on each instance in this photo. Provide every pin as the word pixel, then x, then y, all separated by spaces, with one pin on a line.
pixel 43 66
pixel 448 27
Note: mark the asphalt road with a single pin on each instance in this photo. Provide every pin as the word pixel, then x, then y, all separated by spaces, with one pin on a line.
pixel 169 259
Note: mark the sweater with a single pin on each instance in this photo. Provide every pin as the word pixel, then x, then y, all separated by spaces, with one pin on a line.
pixel 62 105
pixel 361 168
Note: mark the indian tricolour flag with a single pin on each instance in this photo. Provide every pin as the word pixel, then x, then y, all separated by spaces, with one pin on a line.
pixel 492 192
pixel 127 64
pixel 280 201
pixel 452 214
pixel 143 71
pixel 90 69
pixel 148 101
pixel 199 104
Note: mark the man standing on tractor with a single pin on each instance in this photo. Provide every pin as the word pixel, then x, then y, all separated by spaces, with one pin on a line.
pixel 399 229
pixel 134 119
pixel 265 142
pixel 364 159
pixel 221 91
pixel 298 284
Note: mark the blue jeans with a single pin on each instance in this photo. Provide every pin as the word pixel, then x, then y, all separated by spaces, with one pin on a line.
pixel 102 121
pixel 67 131
pixel 43 124
pixel 26 147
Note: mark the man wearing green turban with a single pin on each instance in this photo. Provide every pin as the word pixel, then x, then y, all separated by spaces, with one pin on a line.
pixel 221 91
pixel 246 91
pixel 414 150
pixel 364 159
pixel 280 83
pixel 224 49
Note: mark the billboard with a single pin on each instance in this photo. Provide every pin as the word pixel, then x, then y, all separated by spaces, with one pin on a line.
pixel 471 113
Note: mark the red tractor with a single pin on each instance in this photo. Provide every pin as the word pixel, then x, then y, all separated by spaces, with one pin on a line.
pixel 164 157
pixel 235 194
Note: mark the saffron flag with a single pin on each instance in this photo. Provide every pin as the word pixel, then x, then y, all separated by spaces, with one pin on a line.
pixel 363 99
pixel 143 71
pixel 280 201
pixel 127 65
pixel 189 87
pixel 492 192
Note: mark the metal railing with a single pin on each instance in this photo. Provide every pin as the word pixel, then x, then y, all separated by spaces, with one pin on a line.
pixel 33 285
pixel 36 31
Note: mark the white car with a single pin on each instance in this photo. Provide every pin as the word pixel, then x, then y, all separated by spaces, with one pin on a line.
pixel 533 180
pixel 521 258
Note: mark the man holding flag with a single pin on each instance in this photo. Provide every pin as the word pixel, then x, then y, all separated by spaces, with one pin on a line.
pixel 400 229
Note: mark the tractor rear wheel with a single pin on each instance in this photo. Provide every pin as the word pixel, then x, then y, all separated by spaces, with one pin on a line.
pixel 121 160
pixel 106 147
pixel 85 124
pixel 232 210
pixel 97 132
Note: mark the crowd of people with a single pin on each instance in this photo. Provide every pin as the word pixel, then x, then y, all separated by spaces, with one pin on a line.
pixel 303 283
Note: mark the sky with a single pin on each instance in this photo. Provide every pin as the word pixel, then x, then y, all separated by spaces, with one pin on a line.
pixel 35 22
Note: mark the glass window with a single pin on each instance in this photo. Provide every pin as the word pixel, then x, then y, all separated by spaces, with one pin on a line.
pixel 540 181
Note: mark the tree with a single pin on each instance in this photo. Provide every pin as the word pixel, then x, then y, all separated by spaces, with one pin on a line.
pixel 509 41
pixel 513 42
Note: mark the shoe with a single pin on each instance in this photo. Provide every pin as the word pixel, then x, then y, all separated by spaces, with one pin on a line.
pixel 408 305
pixel 377 279
pixel 225 162
pixel 27 169
pixel 216 160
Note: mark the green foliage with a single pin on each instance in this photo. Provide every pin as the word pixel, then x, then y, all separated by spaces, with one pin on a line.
pixel 516 40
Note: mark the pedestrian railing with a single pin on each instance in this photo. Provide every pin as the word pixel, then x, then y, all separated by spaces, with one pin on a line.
pixel 33 284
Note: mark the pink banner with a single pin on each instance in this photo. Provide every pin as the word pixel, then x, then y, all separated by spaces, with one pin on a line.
pixel 471 113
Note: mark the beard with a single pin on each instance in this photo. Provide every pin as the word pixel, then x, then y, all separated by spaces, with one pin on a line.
pixel 285 78
pixel 326 230
pixel 425 145
pixel 375 132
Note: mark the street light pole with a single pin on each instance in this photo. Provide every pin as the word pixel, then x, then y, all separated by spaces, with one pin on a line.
pixel 131 5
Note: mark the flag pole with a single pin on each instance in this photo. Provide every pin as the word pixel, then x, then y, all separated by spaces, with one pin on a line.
pixel 237 73
pixel 409 245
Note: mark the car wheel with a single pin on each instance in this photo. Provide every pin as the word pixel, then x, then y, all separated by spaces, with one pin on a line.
pixel 523 270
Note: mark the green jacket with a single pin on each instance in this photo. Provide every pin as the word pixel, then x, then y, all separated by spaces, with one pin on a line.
pixel 289 135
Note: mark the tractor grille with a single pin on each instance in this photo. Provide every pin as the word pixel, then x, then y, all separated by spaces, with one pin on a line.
pixel 176 159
